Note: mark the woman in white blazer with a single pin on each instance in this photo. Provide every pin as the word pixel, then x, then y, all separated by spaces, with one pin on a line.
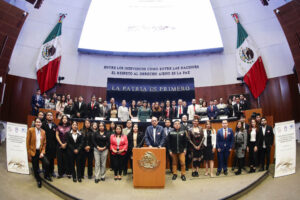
pixel 210 140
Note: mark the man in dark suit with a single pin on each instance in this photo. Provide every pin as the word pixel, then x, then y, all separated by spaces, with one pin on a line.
pixel 181 109
pixel 93 109
pixel 265 143
pixel 50 129
pixel 224 145
pixel 238 108
pixel 79 108
pixel 37 102
pixel 173 113
pixel 212 110
pixel 244 102
pixel 155 135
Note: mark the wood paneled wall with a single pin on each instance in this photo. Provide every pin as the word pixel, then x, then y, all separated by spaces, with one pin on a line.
pixel 11 23
pixel 280 98
pixel 289 18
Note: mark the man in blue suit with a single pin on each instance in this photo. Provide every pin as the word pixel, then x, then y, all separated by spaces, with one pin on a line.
pixel 225 140
pixel 37 102
pixel 212 110
pixel 155 135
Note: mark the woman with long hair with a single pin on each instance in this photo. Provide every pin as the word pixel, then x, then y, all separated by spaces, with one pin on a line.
pixel 252 146
pixel 240 144
pixel 135 140
pixel 196 140
pixel 88 153
pixel 62 156
pixel 75 145
pixel 118 147
pixel 101 145
pixel 210 140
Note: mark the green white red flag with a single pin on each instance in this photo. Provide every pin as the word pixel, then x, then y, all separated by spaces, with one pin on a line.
pixel 249 62
pixel 47 66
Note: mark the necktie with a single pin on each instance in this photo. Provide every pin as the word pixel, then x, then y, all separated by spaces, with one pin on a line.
pixel 92 105
pixel 211 108
pixel 180 110
pixel 225 136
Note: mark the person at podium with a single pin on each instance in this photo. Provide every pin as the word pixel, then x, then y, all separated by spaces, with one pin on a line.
pixel 177 145
pixel 155 135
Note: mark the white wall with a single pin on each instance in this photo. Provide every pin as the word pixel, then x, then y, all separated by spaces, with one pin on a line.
pixel 215 69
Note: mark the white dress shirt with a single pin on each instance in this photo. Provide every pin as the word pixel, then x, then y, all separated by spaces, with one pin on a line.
pixel 38 138
pixel 264 133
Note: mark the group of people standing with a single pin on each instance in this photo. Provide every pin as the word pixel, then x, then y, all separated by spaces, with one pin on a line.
pixel 185 143
pixel 138 110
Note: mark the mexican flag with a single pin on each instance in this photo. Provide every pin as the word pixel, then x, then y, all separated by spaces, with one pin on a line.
pixel 48 62
pixel 249 63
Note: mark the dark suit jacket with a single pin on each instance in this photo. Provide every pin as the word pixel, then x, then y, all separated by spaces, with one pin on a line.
pixel 268 137
pixel 183 112
pixel 160 136
pixel 72 145
pixel 212 113
pixel 173 113
pixel 93 112
pixel 69 111
pixel 258 137
pixel 34 101
pixel 237 111
pixel 222 143
pixel 140 140
pixel 51 139
pixel 82 110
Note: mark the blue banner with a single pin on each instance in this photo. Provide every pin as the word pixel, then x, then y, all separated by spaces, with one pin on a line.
pixel 151 90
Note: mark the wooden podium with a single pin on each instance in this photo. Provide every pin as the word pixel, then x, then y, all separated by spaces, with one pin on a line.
pixel 149 167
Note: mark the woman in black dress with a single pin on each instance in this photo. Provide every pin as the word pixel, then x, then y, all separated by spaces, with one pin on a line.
pixel 196 140
pixel 133 110
pixel 210 138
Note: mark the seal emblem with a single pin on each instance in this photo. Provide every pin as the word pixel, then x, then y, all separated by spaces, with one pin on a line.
pixel 48 51
pixel 149 161
pixel 247 55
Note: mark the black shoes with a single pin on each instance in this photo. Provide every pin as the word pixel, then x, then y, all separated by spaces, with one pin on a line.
pixel 233 168
pixel 39 184
pixel 53 175
pixel 226 172
pixel 238 172
pixel 102 179
pixel 97 180
pixel 174 177
pixel 48 178
pixel 183 178
pixel 252 170
pixel 59 176
pixel 74 180
pixel 79 180
pixel 218 173
pixel 193 174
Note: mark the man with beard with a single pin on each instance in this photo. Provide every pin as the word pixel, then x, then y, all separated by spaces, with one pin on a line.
pixel 50 129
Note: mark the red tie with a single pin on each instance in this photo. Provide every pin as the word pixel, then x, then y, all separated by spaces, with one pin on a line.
pixel 225 136
pixel 180 110
pixel 211 108
pixel 92 106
